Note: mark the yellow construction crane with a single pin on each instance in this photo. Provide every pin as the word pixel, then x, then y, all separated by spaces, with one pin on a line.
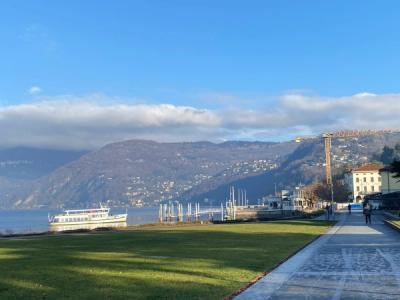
pixel 339 134
pixel 328 143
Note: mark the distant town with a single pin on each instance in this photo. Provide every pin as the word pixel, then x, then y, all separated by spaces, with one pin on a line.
pixel 132 174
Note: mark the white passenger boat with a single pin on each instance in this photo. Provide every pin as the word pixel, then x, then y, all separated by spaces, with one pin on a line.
pixel 93 216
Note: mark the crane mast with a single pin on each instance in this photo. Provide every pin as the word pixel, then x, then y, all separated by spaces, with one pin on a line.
pixel 328 169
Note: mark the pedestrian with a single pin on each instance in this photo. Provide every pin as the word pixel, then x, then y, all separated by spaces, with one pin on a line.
pixel 349 208
pixel 328 211
pixel 367 213
pixel 331 211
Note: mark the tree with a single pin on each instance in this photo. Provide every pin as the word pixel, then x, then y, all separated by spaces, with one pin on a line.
pixel 340 191
pixel 395 168
pixel 388 155
pixel 310 194
pixel 397 149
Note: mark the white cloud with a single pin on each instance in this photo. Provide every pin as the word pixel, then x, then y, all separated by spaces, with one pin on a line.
pixel 74 124
pixel 34 90
pixel 90 122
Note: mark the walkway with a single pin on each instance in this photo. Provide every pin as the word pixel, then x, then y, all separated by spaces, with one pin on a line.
pixel 351 261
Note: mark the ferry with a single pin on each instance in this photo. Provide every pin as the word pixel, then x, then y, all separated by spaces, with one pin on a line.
pixel 92 216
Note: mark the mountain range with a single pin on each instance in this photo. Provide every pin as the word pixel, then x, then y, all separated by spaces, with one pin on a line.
pixel 145 173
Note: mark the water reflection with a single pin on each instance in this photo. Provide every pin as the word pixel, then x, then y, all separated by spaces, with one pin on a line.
pixel 58 228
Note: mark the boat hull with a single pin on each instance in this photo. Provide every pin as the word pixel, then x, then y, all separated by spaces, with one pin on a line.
pixel 114 219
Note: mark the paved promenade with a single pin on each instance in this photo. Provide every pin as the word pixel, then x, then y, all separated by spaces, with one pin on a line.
pixel 351 261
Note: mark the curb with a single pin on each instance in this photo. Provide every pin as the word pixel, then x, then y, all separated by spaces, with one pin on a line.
pixel 391 216
pixel 255 280
pixel 392 225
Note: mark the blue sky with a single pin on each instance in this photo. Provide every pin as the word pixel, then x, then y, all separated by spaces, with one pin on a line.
pixel 212 55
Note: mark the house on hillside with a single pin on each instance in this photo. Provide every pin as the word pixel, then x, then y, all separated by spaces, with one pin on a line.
pixel 364 180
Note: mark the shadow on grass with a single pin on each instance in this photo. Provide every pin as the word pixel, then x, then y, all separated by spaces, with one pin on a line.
pixel 190 263
pixel 307 222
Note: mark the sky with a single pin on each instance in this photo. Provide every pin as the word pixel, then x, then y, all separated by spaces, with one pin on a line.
pixel 80 74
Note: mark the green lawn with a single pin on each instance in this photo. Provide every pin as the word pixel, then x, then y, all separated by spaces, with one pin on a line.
pixel 194 262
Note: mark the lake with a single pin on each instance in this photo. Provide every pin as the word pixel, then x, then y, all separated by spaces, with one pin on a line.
pixel 36 220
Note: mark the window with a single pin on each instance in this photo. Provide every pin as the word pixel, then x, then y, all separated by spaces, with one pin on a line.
pixel 358 189
pixel 372 188
pixel 357 179
pixel 379 179
pixel 365 179
pixel 365 188
pixel 372 179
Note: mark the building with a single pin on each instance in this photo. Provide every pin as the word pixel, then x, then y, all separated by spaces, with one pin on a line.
pixel 389 197
pixel 303 197
pixel 272 202
pixel 390 184
pixel 298 199
pixel 285 201
pixel 364 180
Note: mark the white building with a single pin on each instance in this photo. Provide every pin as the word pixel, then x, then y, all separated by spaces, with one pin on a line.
pixel 364 180
pixel 299 201
pixel 273 202
pixel 295 200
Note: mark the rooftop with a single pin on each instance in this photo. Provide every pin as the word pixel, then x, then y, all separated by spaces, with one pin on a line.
pixel 368 168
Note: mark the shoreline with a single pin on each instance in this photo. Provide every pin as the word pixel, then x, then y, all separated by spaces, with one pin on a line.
pixel 146 226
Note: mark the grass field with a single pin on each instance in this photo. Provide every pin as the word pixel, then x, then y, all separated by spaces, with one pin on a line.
pixel 195 262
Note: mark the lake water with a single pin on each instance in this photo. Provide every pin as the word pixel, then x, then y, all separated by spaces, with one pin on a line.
pixel 36 220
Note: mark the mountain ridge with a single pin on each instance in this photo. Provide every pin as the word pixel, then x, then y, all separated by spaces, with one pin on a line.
pixel 145 172
pixel 123 173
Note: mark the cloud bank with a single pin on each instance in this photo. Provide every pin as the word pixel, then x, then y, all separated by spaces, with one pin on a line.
pixel 85 124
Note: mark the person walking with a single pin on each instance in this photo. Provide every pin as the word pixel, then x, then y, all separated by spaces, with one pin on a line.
pixel 349 208
pixel 332 211
pixel 328 211
pixel 367 213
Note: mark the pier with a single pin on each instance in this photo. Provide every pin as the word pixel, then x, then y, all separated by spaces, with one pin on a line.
pixel 177 212
pixel 237 207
